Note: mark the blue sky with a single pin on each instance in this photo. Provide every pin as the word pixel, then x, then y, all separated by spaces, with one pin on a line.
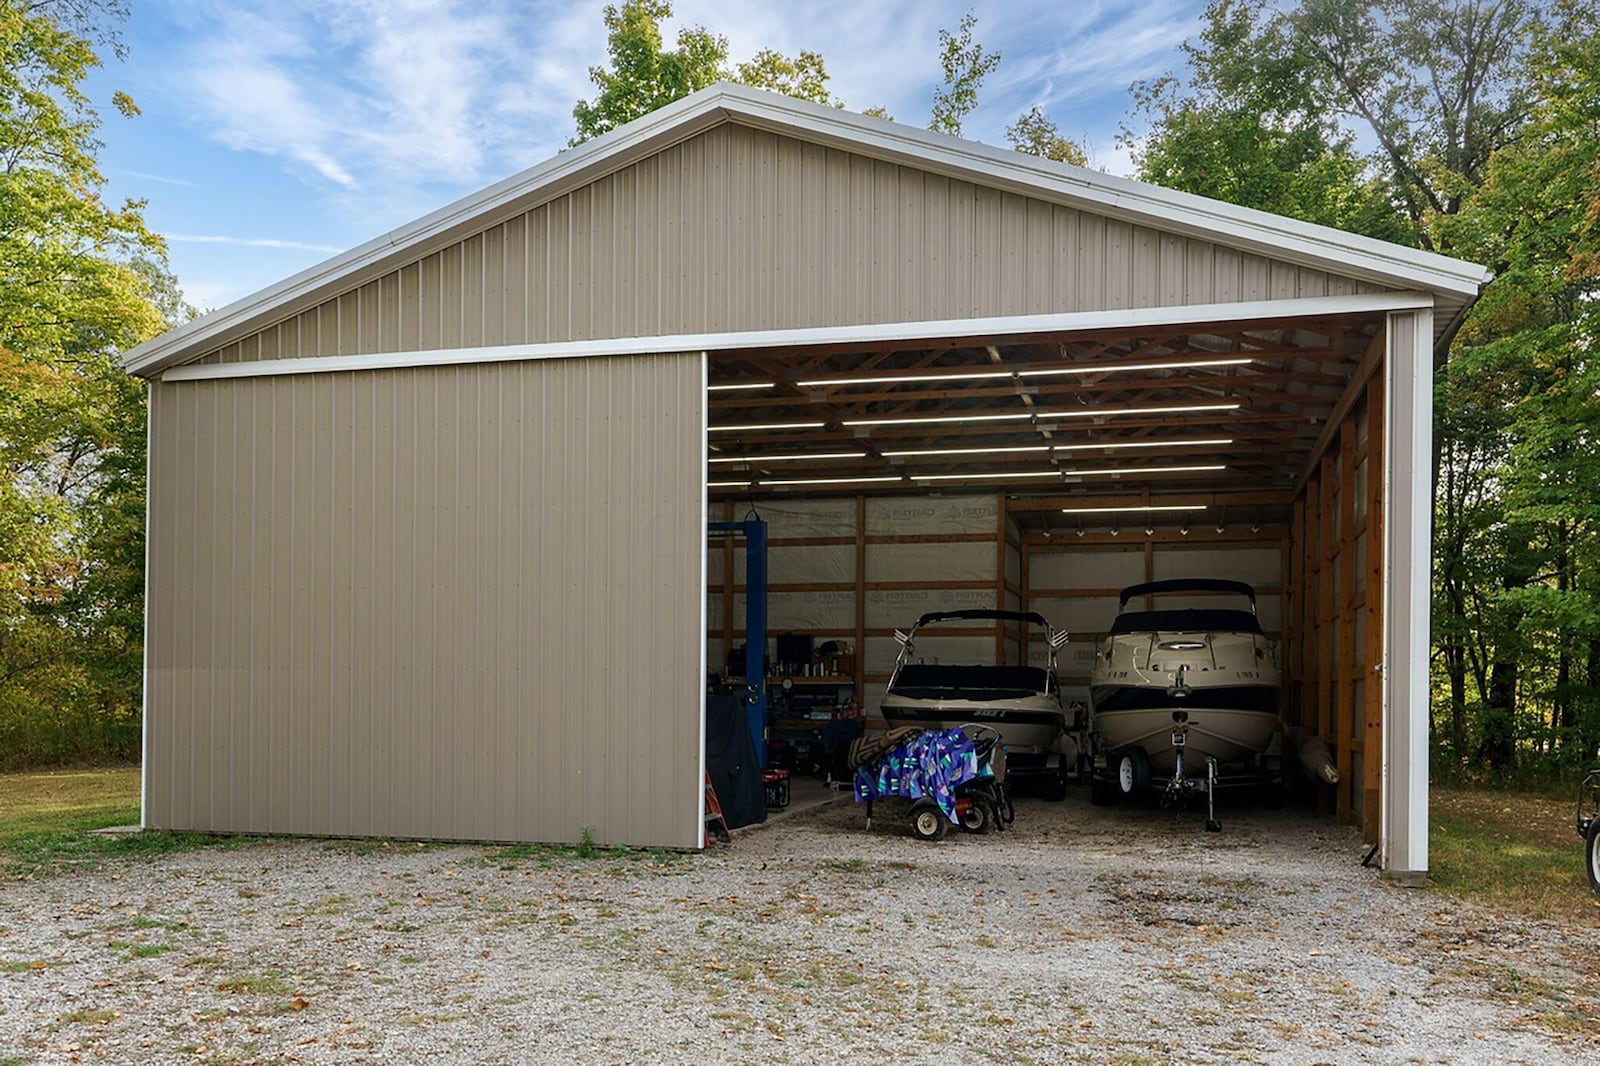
pixel 276 133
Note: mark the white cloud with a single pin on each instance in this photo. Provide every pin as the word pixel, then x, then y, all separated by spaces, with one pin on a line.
pixel 400 104
pixel 366 94
pixel 161 179
pixel 250 242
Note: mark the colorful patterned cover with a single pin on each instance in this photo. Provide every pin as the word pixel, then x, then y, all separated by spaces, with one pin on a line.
pixel 930 765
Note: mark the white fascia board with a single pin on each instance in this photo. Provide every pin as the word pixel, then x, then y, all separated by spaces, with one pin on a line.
pixel 1271 235
pixel 1199 315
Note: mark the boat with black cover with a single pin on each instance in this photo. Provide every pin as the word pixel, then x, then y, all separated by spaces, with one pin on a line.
pixel 1041 735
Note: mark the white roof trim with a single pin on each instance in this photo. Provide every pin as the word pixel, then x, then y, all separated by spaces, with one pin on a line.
pixel 1272 235
pixel 1012 325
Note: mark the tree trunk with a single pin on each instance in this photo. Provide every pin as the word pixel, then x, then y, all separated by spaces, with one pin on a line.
pixel 1589 720
pixel 1500 717
pixel 1565 712
pixel 1455 664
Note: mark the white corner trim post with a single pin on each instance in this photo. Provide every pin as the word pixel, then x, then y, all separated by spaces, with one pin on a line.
pixel 144 670
pixel 1408 567
pixel 699 802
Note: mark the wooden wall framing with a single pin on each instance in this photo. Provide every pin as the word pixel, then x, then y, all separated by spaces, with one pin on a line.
pixel 1147 546
pixel 1335 586
pixel 725 627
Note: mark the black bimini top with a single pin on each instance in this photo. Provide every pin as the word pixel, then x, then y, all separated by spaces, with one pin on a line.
pixel 1187 584
pixel 1201 620
pixel 985 615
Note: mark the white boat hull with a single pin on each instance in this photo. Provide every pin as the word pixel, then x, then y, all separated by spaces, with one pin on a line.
pixel 1226 734
pixel 1035 725
pixel 1226 683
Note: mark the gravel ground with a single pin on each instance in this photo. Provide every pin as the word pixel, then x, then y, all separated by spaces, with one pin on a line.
pixel 1081 936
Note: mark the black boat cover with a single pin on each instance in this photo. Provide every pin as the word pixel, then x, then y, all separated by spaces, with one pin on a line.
pixel 934 681
pixel 731 761
pixel 984 615
pixel 1187 584
pixel 1193 620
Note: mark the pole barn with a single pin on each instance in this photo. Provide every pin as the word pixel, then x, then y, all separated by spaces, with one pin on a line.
pixel 427 522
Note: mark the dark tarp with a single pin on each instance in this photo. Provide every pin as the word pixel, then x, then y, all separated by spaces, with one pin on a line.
pixel 731 761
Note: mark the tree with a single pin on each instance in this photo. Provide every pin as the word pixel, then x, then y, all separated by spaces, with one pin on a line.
pixel 1440 85
pixel 1527 354
pixel 805 77
pixel 965 65
pixel 1247 127
pixel 644 75
pixel 1034 134
pixel 78 279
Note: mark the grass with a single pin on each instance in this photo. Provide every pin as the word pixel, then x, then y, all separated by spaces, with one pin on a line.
pixel 46 818
pixel 1515 850
pixel 262 985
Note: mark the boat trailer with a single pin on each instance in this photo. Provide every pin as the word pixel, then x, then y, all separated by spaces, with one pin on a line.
pixel 1128 774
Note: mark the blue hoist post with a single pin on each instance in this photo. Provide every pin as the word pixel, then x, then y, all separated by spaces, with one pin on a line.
pixel 754 532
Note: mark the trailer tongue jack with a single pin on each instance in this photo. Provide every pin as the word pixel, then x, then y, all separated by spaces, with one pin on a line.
pixel 1181 787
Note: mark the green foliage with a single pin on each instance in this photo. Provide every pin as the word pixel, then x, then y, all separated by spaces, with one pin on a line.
pixel 805 77
pixel 1034 134
pixel 1438 83
pixel 965 65
pixel 1247 128
pixel 644 75
pixel 1483 118
pixel 1519 582
pixel 80 280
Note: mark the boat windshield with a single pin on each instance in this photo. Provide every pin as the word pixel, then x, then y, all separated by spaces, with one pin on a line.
pixel 932 681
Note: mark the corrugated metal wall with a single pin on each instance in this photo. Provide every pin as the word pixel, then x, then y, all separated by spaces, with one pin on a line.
pixel 457 602
pixel 738 228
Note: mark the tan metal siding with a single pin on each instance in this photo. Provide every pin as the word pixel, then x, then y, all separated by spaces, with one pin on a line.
pixel 456 602
pixel 739 229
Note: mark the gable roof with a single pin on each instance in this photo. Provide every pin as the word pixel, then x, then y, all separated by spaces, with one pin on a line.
pixel 1453 282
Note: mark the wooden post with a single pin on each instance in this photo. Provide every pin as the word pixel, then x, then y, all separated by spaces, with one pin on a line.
pixel 1345 624
pixel 860 676
pixel 1291 647
pixel 727 588
pixel 1306 623
pixel 1326 609
pixel 1372 741
pixel 1025 562
pixel 1000 578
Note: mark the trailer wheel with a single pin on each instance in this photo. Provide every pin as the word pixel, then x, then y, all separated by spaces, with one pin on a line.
pixel 1133 771
pixel 1591 853
pixel 977 817
pixel 928 822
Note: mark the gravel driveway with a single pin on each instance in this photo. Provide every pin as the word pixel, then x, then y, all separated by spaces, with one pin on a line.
pixel 1081 936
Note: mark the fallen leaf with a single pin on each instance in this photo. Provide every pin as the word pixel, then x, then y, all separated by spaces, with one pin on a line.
pixel 299 1003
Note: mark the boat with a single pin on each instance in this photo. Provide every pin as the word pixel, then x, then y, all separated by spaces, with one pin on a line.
pixel 1206 680
pixel 1041 736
